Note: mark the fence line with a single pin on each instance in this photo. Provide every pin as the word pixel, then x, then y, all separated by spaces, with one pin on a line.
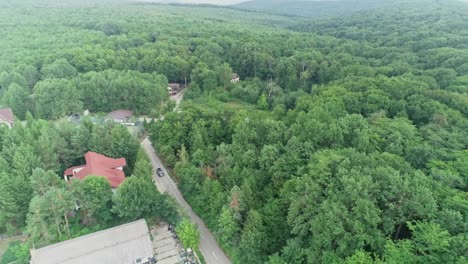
pixel 13 237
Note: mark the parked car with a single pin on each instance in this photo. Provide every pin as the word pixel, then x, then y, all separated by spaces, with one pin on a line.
pixel 160 172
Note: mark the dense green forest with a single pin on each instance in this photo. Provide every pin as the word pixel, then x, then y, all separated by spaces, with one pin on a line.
pixel 35 198
pixel 346 140
pixel 326 8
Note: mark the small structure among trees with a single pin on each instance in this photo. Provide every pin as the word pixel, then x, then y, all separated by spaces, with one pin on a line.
pixel 235 78
pixel 174 88
pixel 6 117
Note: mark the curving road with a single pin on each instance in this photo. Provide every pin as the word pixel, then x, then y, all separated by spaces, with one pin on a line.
pixel 210 249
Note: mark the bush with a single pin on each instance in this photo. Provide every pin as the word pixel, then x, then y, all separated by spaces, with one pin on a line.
pixel 17 252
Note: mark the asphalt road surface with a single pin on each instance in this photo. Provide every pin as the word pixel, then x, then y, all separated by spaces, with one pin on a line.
pixel 210 249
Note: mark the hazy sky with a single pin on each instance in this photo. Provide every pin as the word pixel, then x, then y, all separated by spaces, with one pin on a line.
pixel 217 2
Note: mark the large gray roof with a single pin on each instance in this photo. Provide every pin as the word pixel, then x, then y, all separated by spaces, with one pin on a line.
pixel 122 244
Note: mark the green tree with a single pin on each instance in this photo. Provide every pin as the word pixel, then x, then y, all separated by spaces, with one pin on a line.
pixel 94 196
pixel 80 141
pixel 262 102
pixel 431 242
pixel 59 69
pixel 228 227
pixel 17 97
pixel 42 181
pixel 143 166
pixel 24 160
pixel 122 144
pixel 252 240
pixel 360 257
pixel 399 252
pixel 57 98
pixel 6 79
pixel 38 226
pixel 60 202
pixel 8 206
pixel 17 253
pixel 48 145
pixel 138 197
pixel 191 178
pixel 204 77
pixel 188 234
pixel 22 253
pixel 30 74
pixel 224 74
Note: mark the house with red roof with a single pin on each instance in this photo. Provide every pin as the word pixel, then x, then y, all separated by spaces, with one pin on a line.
pixel 99 165
pixel 6 117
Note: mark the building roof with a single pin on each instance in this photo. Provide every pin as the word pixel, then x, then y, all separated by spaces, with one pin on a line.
pixel 234 76
pixel 100 165
pixel 6 115
pixel 174 85
pixel 122 114
pixel 119 245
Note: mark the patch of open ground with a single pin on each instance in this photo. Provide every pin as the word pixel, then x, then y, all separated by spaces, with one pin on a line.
pixel 5 242
pixel 167 247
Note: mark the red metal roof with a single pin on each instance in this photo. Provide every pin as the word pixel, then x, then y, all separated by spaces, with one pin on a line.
pixel 100 165
pixel 69 171
pixel 7 115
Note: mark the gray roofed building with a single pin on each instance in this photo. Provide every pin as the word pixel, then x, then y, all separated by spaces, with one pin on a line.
pixel 124 244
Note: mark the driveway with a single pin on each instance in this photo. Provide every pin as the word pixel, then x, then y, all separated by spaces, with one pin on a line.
pixel 165 246
pixel 178 98
pixel 210 249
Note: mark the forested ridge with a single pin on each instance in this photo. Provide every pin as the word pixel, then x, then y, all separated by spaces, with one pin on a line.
pixel 344 142
pixel 351 147
pixel 327 8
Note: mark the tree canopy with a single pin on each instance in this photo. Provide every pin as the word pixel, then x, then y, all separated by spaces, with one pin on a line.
pixel 345 140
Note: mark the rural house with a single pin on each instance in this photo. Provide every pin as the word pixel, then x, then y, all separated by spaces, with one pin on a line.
pixel 173 88
pixel 235 78
pixel 6 117
pixel 99 165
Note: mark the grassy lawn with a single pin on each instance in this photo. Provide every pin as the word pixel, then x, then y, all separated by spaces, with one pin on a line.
pixel 4 245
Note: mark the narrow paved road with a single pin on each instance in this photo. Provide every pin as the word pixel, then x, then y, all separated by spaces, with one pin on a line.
pixel 210 249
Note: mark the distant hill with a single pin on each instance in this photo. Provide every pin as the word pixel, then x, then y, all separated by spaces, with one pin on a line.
pixel 214 2
pixel 323 7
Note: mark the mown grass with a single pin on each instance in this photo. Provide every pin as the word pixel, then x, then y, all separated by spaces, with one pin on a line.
pixel 4 245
